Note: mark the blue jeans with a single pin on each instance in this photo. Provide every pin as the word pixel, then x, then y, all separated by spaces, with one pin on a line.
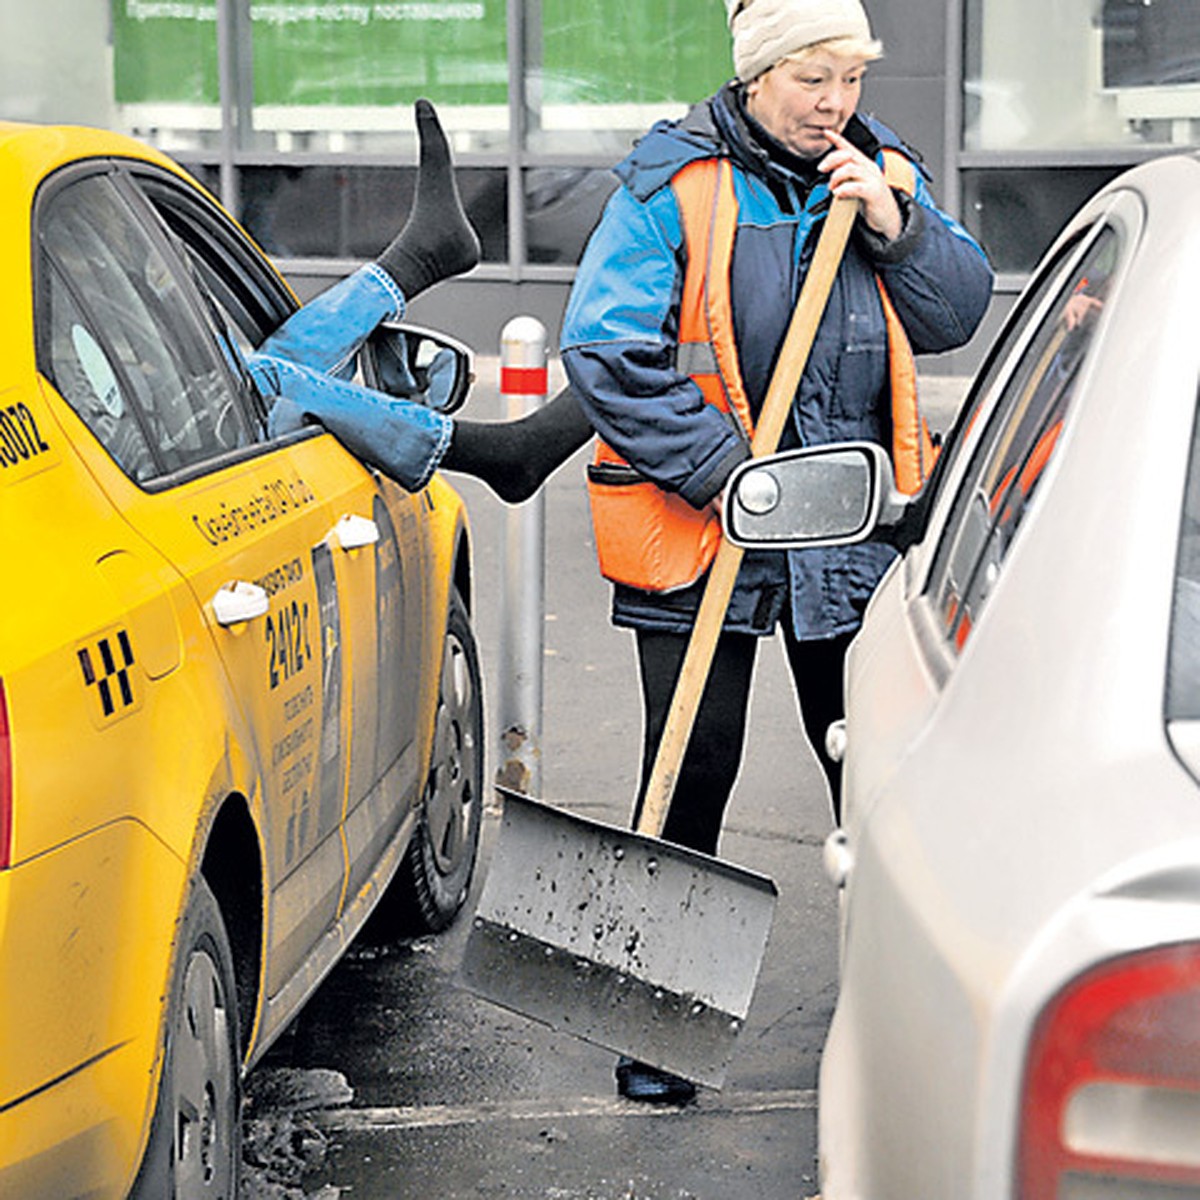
pixel 306 364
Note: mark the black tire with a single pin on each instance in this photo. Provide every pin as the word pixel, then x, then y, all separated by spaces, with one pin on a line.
pixel 195 1146
pixel 433 879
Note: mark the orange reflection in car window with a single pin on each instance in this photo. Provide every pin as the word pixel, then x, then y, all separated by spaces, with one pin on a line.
pixel 1022 438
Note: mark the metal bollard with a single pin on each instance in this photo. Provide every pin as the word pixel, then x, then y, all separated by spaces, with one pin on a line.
pixel 523 387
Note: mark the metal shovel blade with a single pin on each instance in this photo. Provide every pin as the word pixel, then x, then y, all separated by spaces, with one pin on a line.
pixel 632 943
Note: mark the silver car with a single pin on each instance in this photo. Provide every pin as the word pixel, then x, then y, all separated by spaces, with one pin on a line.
pixel 1019 1013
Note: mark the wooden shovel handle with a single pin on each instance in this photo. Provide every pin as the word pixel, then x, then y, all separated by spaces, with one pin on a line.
pixel 802 330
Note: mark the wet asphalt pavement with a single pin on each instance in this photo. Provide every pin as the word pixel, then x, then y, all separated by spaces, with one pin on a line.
pixel 394 1083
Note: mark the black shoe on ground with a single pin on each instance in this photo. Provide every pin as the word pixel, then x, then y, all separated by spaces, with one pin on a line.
pixel 640 1081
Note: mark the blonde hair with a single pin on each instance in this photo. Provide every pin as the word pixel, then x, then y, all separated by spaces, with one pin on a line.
pixel 864 49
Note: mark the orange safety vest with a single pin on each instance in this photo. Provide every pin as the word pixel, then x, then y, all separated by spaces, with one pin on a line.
pixel 653 539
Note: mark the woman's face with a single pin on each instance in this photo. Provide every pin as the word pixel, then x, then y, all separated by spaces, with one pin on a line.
pixel 796 102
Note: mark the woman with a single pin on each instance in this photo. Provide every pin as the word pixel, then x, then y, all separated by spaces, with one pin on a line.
pixel 670 338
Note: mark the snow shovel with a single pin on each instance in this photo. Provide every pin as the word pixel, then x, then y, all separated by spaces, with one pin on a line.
pixel 616 936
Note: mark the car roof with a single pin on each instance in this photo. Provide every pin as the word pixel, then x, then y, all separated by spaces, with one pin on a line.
pixel 41 148
pixel 29 154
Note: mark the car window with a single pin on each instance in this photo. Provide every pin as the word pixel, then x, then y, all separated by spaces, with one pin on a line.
pixel 247 292
pixel 1183 676
pixel 244 299
pixel 1010 458
pixel 83 374
pixel 126 346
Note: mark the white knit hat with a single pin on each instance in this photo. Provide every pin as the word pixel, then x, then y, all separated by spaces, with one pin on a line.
pixel 764 31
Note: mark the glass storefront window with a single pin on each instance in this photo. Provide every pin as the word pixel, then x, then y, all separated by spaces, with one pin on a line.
pixel 322 211
pixel 1091 73
pixel 1017 213
pixel 340 76
pixel 600 73
pixel 325 75
pixel 562 206
pixel 319 153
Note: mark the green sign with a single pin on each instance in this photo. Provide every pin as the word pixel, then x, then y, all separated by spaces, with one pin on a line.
pixel 385 52
pixel 633 51
pixel 165 51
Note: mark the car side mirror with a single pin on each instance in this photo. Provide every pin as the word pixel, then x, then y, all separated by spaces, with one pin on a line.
pixel 417 364
pixel 831 495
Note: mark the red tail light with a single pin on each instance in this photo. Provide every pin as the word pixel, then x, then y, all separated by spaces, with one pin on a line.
pixel 1111 1103
pixel 6 784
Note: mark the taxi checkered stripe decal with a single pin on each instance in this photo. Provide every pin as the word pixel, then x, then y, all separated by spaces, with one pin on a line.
pixel 106 668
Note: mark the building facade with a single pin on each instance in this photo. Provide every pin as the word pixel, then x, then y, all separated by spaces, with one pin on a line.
pixel 298 114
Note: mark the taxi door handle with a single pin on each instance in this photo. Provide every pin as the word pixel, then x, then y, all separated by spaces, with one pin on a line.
pixel 353 532
pixel 238 602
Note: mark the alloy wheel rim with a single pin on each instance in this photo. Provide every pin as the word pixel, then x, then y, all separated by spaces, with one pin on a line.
pixel 202 1073
pixel 452 780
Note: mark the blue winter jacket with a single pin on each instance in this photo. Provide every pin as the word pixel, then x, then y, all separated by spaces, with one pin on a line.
pixel 619 344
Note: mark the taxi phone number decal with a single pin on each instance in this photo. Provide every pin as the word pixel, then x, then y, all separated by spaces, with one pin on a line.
pixel 20 439
pixel 288 641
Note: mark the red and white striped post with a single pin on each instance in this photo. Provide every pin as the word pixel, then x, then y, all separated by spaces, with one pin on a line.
pixel 523 389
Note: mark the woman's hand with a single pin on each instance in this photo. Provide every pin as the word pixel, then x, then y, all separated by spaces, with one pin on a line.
pixel 853 174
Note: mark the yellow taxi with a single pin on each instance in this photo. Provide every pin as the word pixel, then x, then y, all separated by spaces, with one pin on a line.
pixel 240 701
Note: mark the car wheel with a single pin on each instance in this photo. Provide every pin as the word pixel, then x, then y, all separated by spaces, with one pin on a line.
pixel 194 1149
pixel 434 877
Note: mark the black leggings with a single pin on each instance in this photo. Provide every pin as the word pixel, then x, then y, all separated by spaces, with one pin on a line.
pixel 714 754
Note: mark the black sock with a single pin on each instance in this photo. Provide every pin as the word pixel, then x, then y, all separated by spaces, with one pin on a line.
pixel 515 457
pixel 437 240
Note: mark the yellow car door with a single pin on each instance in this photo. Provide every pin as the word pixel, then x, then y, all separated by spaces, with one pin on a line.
pixel 386 756
pixel 249 527
pixel 377 565
pixel 254 543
